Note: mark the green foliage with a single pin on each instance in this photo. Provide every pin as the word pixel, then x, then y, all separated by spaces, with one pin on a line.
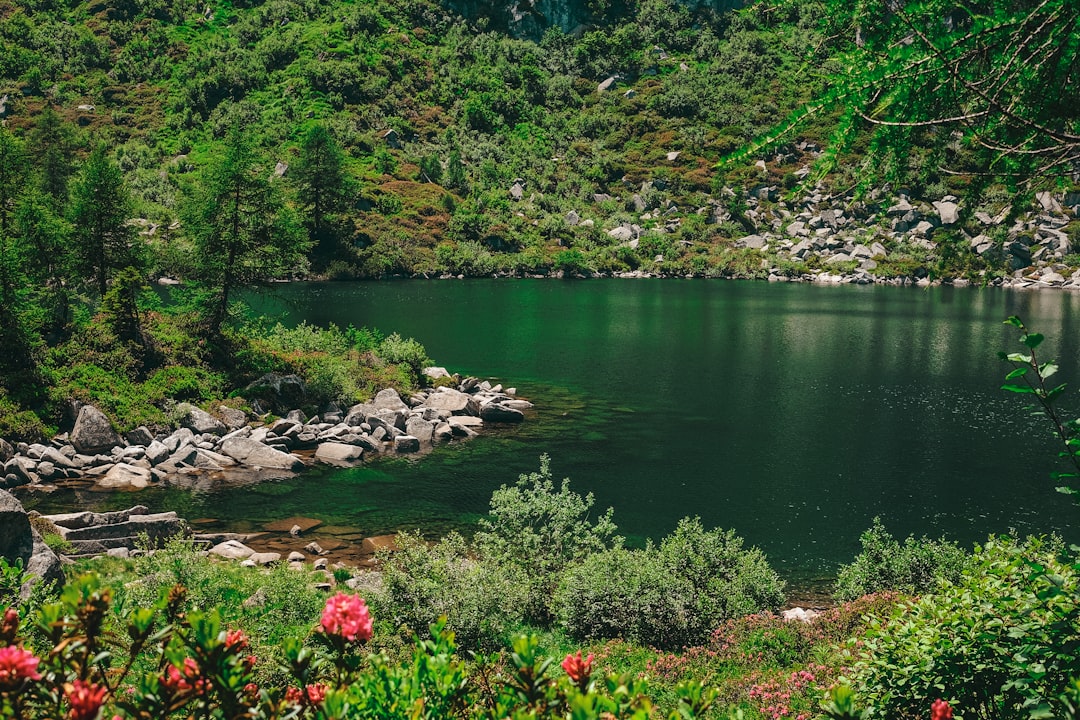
pixel 540 530
pixel 998 643
pixel 101 205
pixel 406 352
pixel 1029 377
pixel 669 596
pixel 242 231
pixel 914 567
pixel 482 601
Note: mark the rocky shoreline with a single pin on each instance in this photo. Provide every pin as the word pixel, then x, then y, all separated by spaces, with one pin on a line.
pixel 841 239
pixel 228 446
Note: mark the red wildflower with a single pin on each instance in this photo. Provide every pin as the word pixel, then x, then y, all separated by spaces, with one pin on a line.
pixel 940 710
pixel 189 677
pixel 579 670
pixel 85 699
pixel 17 665
pixel 9 627
pixel 294 696
pixel 251 690
pixel 236 639
pixel 316 693
pixel 347 616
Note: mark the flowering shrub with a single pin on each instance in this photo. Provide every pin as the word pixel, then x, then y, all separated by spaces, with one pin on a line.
pixel 165 662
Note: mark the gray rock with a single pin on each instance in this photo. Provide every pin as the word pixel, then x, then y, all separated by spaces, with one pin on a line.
pixel 139 436
pixel 497 412
pixel 232 550
pixel 125 477
pixel 6 451
pixel 181 437
pixel 57 458
pixel 517 192
pixel 156 452
pixel 436 372
pixel 339 453
pixel 199 421
pixel 295 556
pixel 232 417
pixel 755 242
pixel 265 558
pixel 43 566
pixel 622 233
pixel 406 444
pixel 442 433
pixel 949 212
pixel 280 391
pixel 420 429
pixel 452 401
pixel 93 433
pixel 16 540
pixel 314 548
pixel 250 452
pixel 46 470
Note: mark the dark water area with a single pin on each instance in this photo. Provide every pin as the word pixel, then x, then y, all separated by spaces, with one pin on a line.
pixel 792 413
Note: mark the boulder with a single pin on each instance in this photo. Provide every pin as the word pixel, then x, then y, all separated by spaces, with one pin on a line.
pixel 43 566
pixel 436 372
pixel 265 558
pixel 232 417
pixel 388 399
pixel 199 421
pixel 949 212
pixel 6 451
pixel 406 444
pixel 232 550
pixel 16 540
pixel 280 391
pixel 335 453
pixel 420 429
pixel 497 412
pixel 452 401
pixel 93 433
pixel 125 477
pixel 251 452
pixel 139 436
pixel 156 452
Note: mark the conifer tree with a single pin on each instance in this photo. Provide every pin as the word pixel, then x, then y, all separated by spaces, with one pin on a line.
pixel 104 243
pixel 242 230
pixel 321 181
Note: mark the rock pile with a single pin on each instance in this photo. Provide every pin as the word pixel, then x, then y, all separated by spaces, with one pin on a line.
pixel 206 448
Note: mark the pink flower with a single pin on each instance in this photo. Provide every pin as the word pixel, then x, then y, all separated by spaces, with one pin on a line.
pixel 348 617
pixel 579 670
pixel 236 639
pixel 251 690
pixel 940 710
pixel 17 665
pixel 189 677
pixel 85 699
pixel 316 693
pixel 294 696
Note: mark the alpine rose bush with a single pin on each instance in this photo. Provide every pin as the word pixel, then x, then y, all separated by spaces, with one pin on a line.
pixel 347 616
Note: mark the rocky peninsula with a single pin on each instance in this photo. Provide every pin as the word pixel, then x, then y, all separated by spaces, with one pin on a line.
pixel 228 446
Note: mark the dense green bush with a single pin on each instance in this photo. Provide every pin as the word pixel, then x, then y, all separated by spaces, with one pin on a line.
pixel 999 642
pixel 483 601
pixel 540 530
pixel 916 566
pixel 668 596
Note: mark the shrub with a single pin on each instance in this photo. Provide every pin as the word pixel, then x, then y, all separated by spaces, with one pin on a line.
pixel 668 596
pixel 540 530
pixel 404 351
pixel 999 642
pixel 915 567
pixel 481 601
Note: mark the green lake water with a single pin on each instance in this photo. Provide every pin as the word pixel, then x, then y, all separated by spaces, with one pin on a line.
pixel 792 413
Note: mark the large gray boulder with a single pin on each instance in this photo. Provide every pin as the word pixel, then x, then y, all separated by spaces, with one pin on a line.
pixel 16 540
pixel 280 391
pixel 339 453
pixel 93 433
pixel 420 429
pixel 252 452
pixel 126 477
pixel 452 401
pixel 199 421
pixel 499 413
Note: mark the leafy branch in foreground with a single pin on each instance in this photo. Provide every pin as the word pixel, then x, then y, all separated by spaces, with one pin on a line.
pixel 1029 377
pixel 979 70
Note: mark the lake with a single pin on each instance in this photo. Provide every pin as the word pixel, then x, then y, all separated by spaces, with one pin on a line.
pixel 789 412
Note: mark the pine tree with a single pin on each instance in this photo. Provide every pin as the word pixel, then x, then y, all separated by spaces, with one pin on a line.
pixel 104 242
pixel 242 230
pixel 321 181
pixel 51 150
